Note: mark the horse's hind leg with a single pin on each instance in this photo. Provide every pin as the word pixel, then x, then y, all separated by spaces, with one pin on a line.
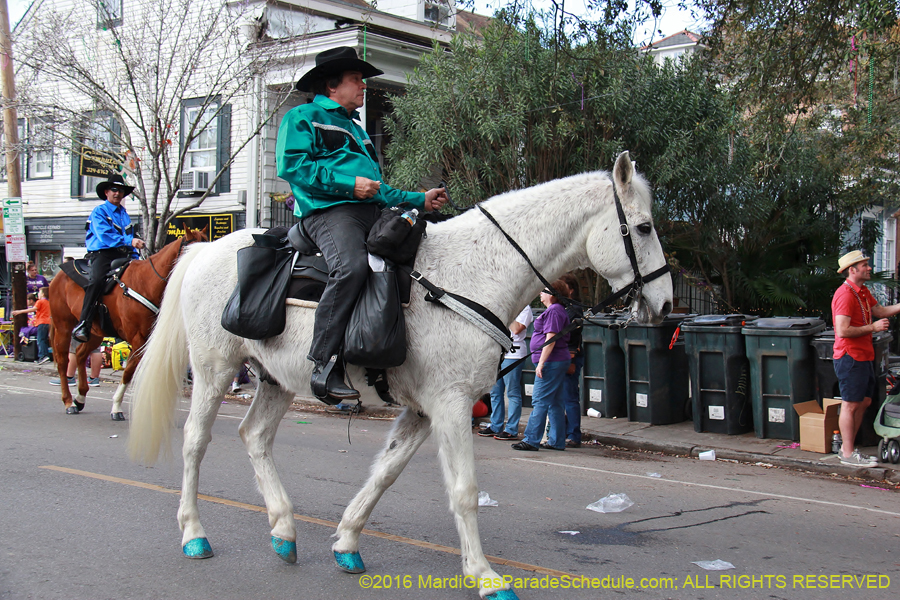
pixel 452 427
pixel 209 387
pixel 258 432
pixel 409 431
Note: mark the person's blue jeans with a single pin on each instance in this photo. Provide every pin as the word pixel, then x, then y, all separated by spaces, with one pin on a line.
pixel 511 383
pixel 573 401
pixel 548 401
pixel 43 340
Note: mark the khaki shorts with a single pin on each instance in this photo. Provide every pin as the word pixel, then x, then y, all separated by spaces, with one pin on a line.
pixel 73 345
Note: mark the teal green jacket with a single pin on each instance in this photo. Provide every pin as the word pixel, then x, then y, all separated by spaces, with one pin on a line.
pixel 321 151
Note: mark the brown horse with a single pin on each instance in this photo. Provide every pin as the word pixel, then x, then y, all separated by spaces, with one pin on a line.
pixel 131 319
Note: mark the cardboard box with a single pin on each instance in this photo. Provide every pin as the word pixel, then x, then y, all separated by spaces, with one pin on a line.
pixel 817 425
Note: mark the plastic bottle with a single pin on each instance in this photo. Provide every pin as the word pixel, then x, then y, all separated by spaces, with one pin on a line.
pixel 836 442
pixel 411 216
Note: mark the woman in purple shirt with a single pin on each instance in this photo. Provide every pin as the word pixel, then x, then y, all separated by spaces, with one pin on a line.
pixel 548 397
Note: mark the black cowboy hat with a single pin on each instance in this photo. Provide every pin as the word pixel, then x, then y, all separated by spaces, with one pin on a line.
pixel 114 180
pixel 335 62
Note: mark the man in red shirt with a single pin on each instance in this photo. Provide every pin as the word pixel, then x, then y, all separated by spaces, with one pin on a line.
pixel 854 309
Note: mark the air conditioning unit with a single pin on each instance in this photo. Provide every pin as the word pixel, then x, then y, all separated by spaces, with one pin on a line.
pixel 194 181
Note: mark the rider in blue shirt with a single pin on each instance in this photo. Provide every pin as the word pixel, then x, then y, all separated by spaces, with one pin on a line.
pixel 110 235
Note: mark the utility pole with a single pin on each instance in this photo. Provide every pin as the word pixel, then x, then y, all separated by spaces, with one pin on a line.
pixel 11 141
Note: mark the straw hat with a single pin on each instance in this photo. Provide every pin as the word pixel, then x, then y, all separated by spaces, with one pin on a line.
pixel 850 259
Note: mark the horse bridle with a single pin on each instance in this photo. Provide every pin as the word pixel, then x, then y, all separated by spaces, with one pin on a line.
pixel 630 292
pixel 184 242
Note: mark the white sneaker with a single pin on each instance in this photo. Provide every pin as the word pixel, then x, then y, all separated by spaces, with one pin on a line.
pixel 235 387
pixel 857 460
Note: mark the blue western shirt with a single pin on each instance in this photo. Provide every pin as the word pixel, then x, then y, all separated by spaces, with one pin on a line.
pixel 109 226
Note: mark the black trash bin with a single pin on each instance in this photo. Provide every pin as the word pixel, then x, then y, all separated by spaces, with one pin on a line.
pixel 657 376
pixel 603 378
pixel 827 383
pixel 782 372
pixel 720 373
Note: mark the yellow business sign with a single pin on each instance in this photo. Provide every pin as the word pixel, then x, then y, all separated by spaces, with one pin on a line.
pixel 98 164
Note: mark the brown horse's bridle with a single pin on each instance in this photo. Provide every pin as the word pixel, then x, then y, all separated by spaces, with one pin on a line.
pixel 184 242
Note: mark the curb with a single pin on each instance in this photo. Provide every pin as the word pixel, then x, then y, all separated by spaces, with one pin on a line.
pixel 679 449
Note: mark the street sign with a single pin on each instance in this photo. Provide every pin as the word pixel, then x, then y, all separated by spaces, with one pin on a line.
pixel 14 230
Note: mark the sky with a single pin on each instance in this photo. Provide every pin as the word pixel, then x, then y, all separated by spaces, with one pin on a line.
pixel 672 21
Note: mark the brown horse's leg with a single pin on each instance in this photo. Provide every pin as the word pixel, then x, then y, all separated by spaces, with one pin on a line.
pixel 81 354
pixel 59 339
pixel 137 344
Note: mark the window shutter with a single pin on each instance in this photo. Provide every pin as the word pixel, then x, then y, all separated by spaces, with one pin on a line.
pixel 75 177
pixel 223 149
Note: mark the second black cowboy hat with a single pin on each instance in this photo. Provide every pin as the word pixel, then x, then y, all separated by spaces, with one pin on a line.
pixel 335 62
pixel 114 180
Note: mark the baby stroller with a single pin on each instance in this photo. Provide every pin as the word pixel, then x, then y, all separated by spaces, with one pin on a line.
pixel 887 427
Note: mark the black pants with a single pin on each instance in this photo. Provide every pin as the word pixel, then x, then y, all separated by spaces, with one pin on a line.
pixel 100 261
pixel 340 233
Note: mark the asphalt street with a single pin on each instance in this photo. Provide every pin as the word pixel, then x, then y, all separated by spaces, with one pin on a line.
pixel 80 521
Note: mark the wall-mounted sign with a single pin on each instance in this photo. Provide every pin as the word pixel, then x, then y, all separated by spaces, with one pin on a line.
pixel 98 164
pixel 218 226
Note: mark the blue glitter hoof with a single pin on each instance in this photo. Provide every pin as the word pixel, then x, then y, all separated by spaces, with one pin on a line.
pixel 502 595
pixel 198 548
pixel 350 562
pixel 285 549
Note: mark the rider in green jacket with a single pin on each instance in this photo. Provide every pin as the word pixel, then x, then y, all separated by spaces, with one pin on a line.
pixel 330 163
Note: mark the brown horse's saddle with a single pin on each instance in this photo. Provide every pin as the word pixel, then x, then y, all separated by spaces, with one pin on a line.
pixel 79 271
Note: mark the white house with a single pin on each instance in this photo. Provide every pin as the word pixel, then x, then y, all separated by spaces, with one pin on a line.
pixel 674 46
pixel 58 190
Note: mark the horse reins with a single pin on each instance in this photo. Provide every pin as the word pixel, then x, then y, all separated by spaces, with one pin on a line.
pixel 184 243
pixel 630 292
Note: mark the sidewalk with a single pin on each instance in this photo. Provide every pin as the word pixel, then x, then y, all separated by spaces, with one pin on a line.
pixel 679 439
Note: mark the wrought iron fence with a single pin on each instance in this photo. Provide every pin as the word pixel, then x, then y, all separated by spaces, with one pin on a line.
pixel 691 298
pixel 281 210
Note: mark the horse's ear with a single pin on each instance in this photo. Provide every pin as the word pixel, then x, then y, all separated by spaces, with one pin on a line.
pixel 623 171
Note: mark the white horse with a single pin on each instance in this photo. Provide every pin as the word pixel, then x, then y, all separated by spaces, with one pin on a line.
pixel 562 225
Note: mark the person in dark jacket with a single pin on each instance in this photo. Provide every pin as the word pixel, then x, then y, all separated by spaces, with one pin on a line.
pixel 330 163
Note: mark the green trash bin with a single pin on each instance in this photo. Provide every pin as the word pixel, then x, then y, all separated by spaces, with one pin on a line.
pixel 782 372
pixel 603 378
pixel 657 376
pixel 720 373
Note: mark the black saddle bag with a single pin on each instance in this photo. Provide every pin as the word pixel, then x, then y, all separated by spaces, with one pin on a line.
pixel 256 309
pixel 376 333
pixel 394 238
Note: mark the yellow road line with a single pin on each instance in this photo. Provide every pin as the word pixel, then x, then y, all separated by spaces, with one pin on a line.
pixel 315 521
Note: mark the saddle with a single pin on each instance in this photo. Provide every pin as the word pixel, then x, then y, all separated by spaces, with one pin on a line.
pixel 79 271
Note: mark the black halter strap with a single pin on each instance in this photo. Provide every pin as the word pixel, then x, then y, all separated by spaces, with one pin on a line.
pixel 549 286
pixel 630 291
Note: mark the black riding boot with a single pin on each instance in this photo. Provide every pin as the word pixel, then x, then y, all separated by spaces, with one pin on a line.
pixel 327 382
pixel 82 331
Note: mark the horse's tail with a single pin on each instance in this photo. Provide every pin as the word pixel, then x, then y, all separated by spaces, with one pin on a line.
pixel 160 374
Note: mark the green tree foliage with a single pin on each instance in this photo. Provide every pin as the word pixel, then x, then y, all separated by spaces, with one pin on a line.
pixel 760 223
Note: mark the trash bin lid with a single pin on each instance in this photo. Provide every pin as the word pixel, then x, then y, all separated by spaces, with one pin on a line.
pixel 785 326
pixel 671 320
pixel 786 323
pixel 720 320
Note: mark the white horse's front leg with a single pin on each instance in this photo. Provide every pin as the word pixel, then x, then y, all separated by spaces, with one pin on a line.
pixel 452 427
pixel 258 432
pixel 409 431
pixel 205 402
